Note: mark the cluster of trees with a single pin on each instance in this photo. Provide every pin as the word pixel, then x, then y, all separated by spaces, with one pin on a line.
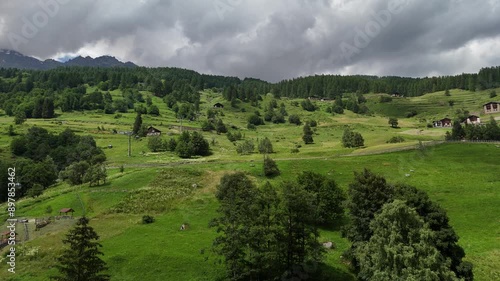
pixel 249 90
pixel 42 157
pixel 275 116
pixel 490 131
pixel 267 234
pixel 398 232
pixel 332 86
pixel 352 139
pixel 185 146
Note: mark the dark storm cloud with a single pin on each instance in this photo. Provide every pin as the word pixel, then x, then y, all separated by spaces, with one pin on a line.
pixel 272 41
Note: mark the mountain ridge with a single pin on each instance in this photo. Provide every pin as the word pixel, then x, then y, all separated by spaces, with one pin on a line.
pixel 14 59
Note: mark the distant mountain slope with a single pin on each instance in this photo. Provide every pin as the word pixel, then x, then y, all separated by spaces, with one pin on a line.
pixel 13 59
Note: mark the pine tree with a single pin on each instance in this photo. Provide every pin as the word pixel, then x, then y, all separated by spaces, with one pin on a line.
pixel 307 137
pixel 81 262
pixel 137 124
pixel 48 108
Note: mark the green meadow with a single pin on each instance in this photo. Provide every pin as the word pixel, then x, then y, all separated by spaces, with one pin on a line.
pixel 461 177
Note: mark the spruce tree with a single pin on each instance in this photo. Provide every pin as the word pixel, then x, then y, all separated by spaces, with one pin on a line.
pixel 137 124
pixel 81 262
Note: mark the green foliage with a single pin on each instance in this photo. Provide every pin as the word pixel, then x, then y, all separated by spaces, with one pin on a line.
pixel 490 131
pixel 190 144
pixel 75 172
pixel 20 117
pixel 255 120
pixel 236 194
pixel 207 126
pixel 393 122
pixel 367 194
pixel 307 137
pixel 236 136
pixel 401 247
pixel 264 236
pixel 95 174
pixel 352 139
pixel 11 131
pixel 35 191
pixel 220 128
pixel 137 124
pixel 270 168
pixel 294 119
pixel 307 105
pixel 397 139
pixel 265 146
pixel 147 219
pixel 81 262
pixel 247 147
pixel 444 237
pixel 312 123
pixel 155 143
pixel 493 94
pixel 328 197
pixel 153 110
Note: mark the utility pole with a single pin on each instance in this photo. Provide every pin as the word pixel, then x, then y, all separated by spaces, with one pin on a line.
pixel 129 144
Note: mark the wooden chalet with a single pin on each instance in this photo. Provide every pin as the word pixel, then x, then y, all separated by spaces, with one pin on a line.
pixel 152 131
pixel 472 120
pixel 492 107
pixel 443 123
pixel 66 211
pixel 219 105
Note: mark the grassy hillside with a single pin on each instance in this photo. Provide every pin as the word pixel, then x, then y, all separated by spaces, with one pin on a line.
pixel 460 177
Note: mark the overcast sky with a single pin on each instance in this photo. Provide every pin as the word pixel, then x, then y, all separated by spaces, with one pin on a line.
pixel 271 40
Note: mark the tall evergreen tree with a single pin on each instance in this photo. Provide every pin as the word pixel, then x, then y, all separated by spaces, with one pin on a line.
pixel 137 124
pixel 48 108
pixel 236 194
pixel 81 262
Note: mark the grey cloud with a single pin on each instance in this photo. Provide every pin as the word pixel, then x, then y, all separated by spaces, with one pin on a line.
pixel 272 41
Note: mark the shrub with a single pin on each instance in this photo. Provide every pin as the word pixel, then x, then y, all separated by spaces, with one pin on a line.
pixel 397 139
pixel 312 123
pixel 255 120
pixel 308 105
pixel 246 147
pixel 352 139
pixel 232 137
pixel 294 119
pixel 270 168
pixel 207 126
pixel 411 113
pixel 147 219
pixel 493 94
pixel 155 144
pixel 294 150
pixel 265 146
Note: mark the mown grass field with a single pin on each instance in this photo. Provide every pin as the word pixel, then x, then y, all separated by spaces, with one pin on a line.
pixel 463 178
